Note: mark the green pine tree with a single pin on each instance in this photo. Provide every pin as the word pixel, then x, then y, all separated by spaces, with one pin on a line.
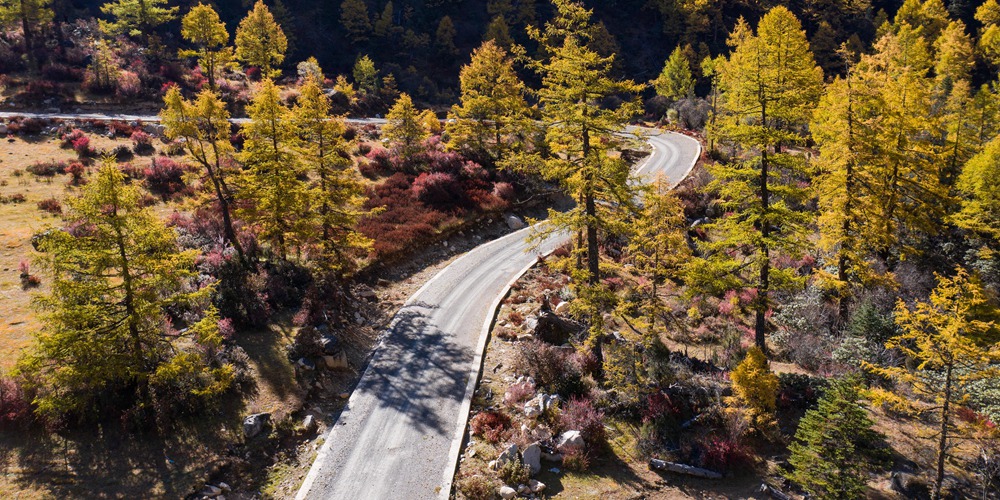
pixel 835 445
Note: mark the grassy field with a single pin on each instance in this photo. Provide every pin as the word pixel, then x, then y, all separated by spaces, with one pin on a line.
pixel 18 222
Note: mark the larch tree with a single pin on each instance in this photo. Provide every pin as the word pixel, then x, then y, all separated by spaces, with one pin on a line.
pixel 403 129
pixel 260 41
pixel 755 390
pixel 104 344
pixel 675 81
pixel 336 194
pixel 492 118
pixel 928 15
pixel 273 196
pixel 954 56
pixel 202 28
pixel 989 36
pixel 769 87
pixel 835 445
pixel 354 18
pixel 499 32
pixel 31 16
pixel 657 246
pixel 980 212
pixel 204 126
pixel 950 343
pixel 365 75
pixel 582 137
pixel 136 18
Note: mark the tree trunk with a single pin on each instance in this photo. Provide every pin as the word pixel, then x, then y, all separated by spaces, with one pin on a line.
pixel 29 39
pixel 943 439
pixel 760 320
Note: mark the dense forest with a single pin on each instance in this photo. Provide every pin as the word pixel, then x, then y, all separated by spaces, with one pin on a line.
pixel 814 307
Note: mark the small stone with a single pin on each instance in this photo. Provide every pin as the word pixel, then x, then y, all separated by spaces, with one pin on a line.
pixel 569 440
pixel 507 455
pixel 254 424
pixel 210 491
pixel 344 395
pixel 336 361
pixel 506 492
pixel 225 487
pixel 522 489
pixel 514 222
pixel 306 364
pixel 309 424
pixel 536 486
pixel 555 470
pixel 562 308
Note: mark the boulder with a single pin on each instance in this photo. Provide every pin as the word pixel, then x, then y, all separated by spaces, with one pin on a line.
pixel 253 424
pixel 336 361
pixel 569 440
pixel 507 455
pixel 531 323
pixel 553 329
pixel 531 409
pixel 909 485
pixel 532 457
pixel 225 487
pixel 536 486
pixel 506 492
pixel 514 222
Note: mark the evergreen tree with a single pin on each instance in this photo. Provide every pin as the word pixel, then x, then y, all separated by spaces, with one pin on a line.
pixel 582 133
pixel 260 42
pixel 835 446
pixel 204 126
pixel 136 18
pixel 770 85
pixel 32 16
pixel 104 345
pixel 499 32
pixel 203 28
pixel 274 197
pixel 444 38
pixel 403 129
pixel 949 346
pixel 337 194
pixel 492 118
pixel 384 23
pixel 354 18
pixel 675 81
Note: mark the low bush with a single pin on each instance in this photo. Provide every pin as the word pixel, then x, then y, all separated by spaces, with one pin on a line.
pixel 14 406
pixel 142 143
pixel 478 487
pixel 493 426
pixel 514 472
pixel 50 205
pixel 726 455
pixel 122 153
pixel 164 177
pixel 551 367
pixel 47 168
pixel 68 138
pixel 579 414
pixel 76 170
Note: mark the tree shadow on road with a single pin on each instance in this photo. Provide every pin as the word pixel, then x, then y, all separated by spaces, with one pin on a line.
pixel 419 370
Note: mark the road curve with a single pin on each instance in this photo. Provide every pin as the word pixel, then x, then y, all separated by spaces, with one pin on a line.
pixel 400 434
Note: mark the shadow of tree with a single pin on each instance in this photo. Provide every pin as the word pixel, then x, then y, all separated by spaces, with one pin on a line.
pixel 418 370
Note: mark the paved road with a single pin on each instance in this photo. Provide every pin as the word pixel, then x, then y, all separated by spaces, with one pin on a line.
pixel 400 434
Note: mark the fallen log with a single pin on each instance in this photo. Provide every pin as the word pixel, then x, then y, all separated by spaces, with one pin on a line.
pixel 663 465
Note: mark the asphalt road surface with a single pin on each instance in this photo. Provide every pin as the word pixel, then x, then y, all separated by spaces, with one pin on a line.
pixel 400 434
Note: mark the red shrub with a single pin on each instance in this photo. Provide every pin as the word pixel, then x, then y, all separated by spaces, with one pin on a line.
pixel 404 224
pixel 226 328
pixel 726 455
pixel 491 425
pixel 76 171
pixel 69 137
pixel 50 205
pixel 142 142
pixel 14 406
pixel 62 73
pixel 38 89
pixel 438 189
pixel 518 393
pixel 579 414
pixel 164 177
pixel 121 129
pixel 504 191
pixel 82 147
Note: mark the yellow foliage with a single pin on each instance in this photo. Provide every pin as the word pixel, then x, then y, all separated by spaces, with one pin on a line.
pixel 755 388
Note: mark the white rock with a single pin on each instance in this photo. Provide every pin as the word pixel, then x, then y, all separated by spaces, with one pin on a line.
pixel 514 222
pixel 308 423
pixel 522 489
pixel 569 440
pixel 563 307
pixel 531 409
pixel 225 487
pixel 532 457
pixel 507 455
pixel 506 492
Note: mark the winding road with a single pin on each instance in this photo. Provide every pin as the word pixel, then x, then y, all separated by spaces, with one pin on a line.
pixel 401 432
